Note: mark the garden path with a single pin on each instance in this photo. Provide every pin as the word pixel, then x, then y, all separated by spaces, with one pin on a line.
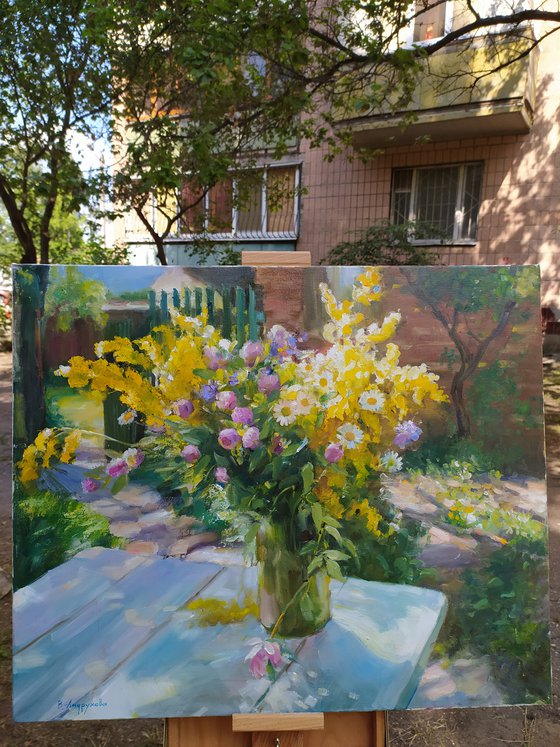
pixel 138 514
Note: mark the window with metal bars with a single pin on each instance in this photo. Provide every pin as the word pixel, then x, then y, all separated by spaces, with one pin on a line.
pixel 443 199
pixel 269 209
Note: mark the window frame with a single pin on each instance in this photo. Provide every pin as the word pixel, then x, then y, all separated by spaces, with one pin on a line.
pixel 252 235
pixel 459 213
pixel 406 35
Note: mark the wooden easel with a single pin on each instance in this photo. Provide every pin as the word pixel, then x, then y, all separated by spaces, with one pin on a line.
pixel 288 729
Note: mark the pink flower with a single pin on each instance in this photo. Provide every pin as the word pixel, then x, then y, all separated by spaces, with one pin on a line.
pixel 268 383
pixel 226 400
pixel 333 453
pixel 185 408
pixel 277 445
pixel 229 438
pixel 133 457
pixel 262 653
pixel 89 485
pixel 214 358
pixel 117 467
pixel 251 352
pixel 221 475
pixel 251 438
pixel 190 453
pixel 243 415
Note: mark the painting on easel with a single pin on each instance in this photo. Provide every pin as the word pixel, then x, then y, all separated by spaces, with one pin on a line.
pixel 244 490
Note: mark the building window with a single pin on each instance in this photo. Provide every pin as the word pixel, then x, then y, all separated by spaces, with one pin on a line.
pixel 429 21
pixel 268 209
pixel 444 199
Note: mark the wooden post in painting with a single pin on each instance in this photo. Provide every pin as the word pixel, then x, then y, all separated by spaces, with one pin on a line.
pixel 288 729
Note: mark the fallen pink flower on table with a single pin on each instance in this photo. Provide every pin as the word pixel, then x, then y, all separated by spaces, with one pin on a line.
pixel 262 653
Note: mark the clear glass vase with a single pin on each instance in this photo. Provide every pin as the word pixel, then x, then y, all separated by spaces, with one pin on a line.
pixel 285 589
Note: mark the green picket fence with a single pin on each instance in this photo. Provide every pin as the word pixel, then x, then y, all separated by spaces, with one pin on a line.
pixel 113 408
pixel 232 309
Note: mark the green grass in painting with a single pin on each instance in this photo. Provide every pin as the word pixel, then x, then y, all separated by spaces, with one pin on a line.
pixel 74 408
pixel 500 611
pixel 50 528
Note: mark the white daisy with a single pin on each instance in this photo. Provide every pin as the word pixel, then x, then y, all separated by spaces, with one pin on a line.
pixel 285 411
pixel 305 402
pixel 62 371
pixel 127 417
pixel 350 435
pixel 391 461
pixel 322 380
pixel 372 400
pixel 99 352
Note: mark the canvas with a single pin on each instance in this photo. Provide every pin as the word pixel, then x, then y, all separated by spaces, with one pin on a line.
pixel 268 489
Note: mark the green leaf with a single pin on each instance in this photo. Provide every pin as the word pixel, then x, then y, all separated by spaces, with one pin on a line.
pixel 333 531
pixel 258 457
pixel 221 461
pixel 331 521
pixel 307 475
pixel 315 565
pixel 337 555
pixel 317 515
pixel 306 606
pixel 203 373
pixel 350 546
pixel 333 569
pixel 119 484
pixel 251 534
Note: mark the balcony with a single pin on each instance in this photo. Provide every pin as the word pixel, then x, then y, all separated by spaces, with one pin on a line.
pixel 448 104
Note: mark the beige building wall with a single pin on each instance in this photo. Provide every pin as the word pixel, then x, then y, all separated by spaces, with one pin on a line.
pixel 519 219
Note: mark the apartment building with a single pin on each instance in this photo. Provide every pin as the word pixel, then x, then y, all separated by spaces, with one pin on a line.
pixel 479 162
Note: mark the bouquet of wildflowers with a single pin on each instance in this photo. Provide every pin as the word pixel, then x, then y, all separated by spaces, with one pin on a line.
pixel 281 432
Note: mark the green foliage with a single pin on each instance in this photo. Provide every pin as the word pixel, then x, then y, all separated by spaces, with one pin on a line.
pixel 386 243
pixel 500 611
pixel 468 291
pixel 70 295
pixel 50 528
pixel 394 559
pixel 448 454
pixel 496 388
pixel 202 88
pixel 57 87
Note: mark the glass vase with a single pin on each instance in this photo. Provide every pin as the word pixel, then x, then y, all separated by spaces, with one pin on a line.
pixel 290 603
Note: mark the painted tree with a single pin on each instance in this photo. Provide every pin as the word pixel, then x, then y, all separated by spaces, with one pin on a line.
pixel 476 310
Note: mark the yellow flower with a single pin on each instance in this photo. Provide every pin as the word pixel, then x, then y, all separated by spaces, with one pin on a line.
pixel 50 452
pixel 79 373
pixel 42 439
pixel 28 465
pixel 71 443
pixel 369 288
pixel 364 511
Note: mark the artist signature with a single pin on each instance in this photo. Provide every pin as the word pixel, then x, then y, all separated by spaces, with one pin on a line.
pixel 66 705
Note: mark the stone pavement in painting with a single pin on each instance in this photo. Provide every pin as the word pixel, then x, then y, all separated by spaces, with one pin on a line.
pixel 423 498
pixel 138 515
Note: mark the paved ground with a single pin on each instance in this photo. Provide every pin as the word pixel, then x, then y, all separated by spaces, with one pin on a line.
pixel 534 727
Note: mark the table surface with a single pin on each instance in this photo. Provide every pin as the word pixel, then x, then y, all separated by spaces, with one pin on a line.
pixel 107 635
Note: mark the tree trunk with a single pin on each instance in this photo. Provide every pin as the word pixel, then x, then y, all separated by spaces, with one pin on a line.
pixel 160 250
pixel 29 395
pixel 462 416
pixel 19 224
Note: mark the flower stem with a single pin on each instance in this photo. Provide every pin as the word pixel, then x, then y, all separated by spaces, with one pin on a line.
pixel 94 433
pixel 282 615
